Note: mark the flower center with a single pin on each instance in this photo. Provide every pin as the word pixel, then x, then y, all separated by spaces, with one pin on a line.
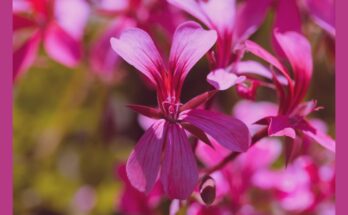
pixel 171 108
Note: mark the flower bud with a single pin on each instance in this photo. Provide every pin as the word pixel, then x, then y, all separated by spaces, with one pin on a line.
pixel 207 189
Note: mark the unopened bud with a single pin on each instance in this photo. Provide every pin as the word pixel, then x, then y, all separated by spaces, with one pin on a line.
pixel 207 190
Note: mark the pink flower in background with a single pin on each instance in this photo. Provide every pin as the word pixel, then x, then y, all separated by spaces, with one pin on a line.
pixel 154 16
pixel 322 12
pixel 250 112
pixel 165 143
pixel 234 180
pixel 134 202
pixel 103 59
pixel 57 24
pixel 291 118
pixel 302 186
pixel 233 25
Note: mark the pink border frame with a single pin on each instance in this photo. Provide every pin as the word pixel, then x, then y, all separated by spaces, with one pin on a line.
pixel 6 163
pixel 6 108
pixel 341 107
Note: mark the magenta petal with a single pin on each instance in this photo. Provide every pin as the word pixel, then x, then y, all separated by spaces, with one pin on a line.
pixel 298 51
pixel 22 22
pixel 25 55
pixel 250 16
pixel 190 43
pixel 131 200
pixel 137 48
pixel 323 139
pixel 103 58
pixel 323 12
pixel 179 172
pixel 192 7
pixel 223 80
pixel 230 132
pixel 61 46
pixel 286 9
pixel 265 55
pixel 218 15
pixel 144 162
pixel 280 126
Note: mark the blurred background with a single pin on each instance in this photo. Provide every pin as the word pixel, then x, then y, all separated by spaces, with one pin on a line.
pixel 73 131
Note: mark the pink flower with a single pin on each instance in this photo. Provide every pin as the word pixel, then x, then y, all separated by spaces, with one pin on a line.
pixel 293 185
pixel 233 26
pixel 321 11
pixel 132 201
pixel 57 24
pixel 291 118
pixel 234 179
pixel 165 143
pixel 153 16
pixel 302 186
pixel 103 59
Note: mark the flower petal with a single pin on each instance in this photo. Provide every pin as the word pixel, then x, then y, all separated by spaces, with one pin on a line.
pixel 103 58
pixel 230 132
pixel 282 23
pixel 250 16
pixel 265 55
pixel 114 6
pixel 323 12
pixel 280 126
pixel 323 139
pixel 286 9
pixel 256 68
pixel 298 51
pixel 60 46
pixel 131 201
pixel 22 22
pixel 71 20
pixel 221 13
pixel 253 67
pixel 24 57
pixel 218 15
pixel 144 162
pixel 223 80
pixel 190 43
pixel 137 48
pixel 179 172
pixel 193 8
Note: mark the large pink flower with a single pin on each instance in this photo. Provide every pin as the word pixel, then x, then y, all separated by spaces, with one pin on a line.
pixel 165 143
pixel 291 118
pixel 57 24
pixel 234 24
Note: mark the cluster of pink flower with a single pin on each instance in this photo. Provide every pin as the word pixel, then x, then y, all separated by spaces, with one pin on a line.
pixel 235 153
